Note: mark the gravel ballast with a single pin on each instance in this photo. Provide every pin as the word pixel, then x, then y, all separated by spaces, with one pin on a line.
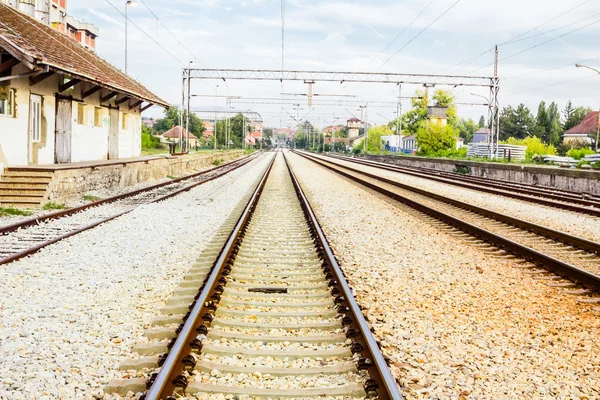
pixel 586 226
pixel 71 313
pixel 456 323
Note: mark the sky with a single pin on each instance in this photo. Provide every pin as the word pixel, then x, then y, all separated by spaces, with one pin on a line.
pixel 540 42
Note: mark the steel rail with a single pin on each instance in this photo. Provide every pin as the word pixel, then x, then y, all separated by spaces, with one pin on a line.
pixel 385 377
pixel 495 188
pixel 38 247
pixel 576 241
pixel 63 213
pixel 561 268
pixel 558 194
pixel 164 384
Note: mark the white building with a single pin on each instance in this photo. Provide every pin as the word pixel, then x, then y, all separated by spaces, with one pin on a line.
pixel 400 144
pixel 60 102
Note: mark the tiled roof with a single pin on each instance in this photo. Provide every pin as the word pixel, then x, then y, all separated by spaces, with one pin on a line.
pixel 483 130
pixel 174 133
pixel 587 126
pixel 38 45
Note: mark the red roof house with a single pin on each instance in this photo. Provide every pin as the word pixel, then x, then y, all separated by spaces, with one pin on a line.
pixel 582 131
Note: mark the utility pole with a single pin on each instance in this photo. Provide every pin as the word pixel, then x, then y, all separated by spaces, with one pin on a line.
pixel 215 126
pixel 187 122
pixel 399 110
pixel 366 129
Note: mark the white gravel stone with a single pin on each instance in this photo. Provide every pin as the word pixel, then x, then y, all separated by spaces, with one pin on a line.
pixel 71 313
pixel 582 225
pixel 455 322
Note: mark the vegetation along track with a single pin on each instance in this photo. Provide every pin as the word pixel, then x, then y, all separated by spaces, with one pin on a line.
pixel 26 237
pixel 569 257
pixel 273 318
pixel 583 203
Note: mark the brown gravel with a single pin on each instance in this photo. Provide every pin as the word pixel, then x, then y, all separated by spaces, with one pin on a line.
pixel 457 324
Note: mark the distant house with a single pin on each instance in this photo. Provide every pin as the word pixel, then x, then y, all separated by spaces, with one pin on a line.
pixel 438 114
pixel 481 136
pixel 581 132
pixel 209 129
pixel 172 136
pixel 353 125
pixel 329 130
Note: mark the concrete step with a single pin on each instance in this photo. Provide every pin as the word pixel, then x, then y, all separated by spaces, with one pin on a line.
pixel 22 199
pixel 27 172
pixel 25 179
pixel 22 185
pixel 22 205
pixel 21 191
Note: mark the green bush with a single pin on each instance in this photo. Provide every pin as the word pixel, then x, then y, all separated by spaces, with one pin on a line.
pixel 578 154
pixel 450 153
pixel 150 141
pixel 534 145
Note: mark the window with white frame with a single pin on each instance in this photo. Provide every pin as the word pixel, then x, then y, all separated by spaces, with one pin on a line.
pixel 7 102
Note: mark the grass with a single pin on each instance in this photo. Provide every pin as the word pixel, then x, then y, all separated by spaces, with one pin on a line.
pixel 171 177
pixel 155 152
pixel 90 198
pixel 217 162
pixel 53 206
pixel 12 211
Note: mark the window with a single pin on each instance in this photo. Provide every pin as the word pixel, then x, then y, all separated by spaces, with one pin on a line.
pixel 124 121
pixel 98 117
pixel 81 113
pixel 7 100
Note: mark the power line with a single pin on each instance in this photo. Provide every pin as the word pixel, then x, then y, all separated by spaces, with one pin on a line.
pixel 550 69
pixel 172 34
pixel 552 84
pixel 420 33
pixel 403 30
pixel 475 58
pixel 145 33
pixel 537 45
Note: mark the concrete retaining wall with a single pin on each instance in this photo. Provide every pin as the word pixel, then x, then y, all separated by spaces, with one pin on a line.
pixel 71 183
pixel 548 176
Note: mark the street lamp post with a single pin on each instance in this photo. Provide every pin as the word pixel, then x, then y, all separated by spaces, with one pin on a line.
pixel 128 3
pixel 598 128
pixel 215 127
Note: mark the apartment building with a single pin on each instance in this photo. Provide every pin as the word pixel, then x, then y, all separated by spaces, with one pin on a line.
pixel 54 13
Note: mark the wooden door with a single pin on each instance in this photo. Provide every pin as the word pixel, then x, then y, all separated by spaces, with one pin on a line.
pixel 113 135
pixel 64 116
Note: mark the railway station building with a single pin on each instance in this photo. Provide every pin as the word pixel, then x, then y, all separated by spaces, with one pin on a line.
pixel 59 101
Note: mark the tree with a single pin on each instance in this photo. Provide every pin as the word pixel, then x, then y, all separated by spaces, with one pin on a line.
pixel 516 123
pixel 555 132
pixel 466 128
pixel 412 119
pixel 432 138
pixel 445 98
pixel 374 137
pixel 236 130
pixel 171 119
pixel 482 122
pixel 542 123
pixel 573 116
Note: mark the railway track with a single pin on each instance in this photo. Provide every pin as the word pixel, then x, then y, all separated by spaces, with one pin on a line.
pixel 583 203
pixel 27 237
pixel 573 262
pixel 272 317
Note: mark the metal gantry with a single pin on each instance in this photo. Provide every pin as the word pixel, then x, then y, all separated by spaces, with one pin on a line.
pixel 311 77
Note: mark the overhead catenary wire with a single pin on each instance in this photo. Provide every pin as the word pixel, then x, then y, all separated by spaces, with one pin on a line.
pixel 475 58
pixel 172 34
pixel 553 84
pixel 539 44
pixel 419 34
